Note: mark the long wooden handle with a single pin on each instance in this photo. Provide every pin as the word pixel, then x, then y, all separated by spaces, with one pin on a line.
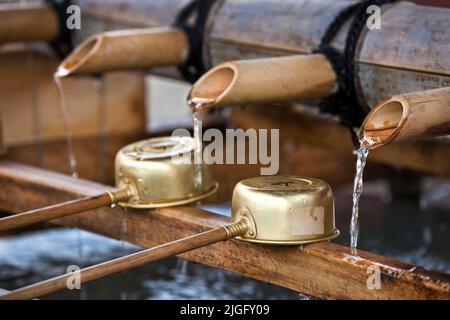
pixel 124 263
pixel 55 211
pixel 63 209
pixel 52 212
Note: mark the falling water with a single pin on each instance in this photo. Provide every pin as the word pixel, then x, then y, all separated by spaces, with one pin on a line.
pixel 197 104
pixel 362 154
pixel 65 114
pixel 197 124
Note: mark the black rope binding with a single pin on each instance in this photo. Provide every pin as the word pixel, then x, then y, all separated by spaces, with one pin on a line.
pixel 63 43
pixel 344 102
pixel 192 19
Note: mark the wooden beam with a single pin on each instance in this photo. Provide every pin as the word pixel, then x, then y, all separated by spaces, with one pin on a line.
pixel 324 270
pixel 429 156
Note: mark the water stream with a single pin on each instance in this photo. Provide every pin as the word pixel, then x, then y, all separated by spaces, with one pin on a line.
pixel 65 115
pixel 362 154
pixel 197 125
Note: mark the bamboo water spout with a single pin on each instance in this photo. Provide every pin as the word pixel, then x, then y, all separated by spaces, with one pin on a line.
pixel 299 210
pixel 408 116
pixel 126 50
pixel 30 22
pixel 265 80
pixel 146 177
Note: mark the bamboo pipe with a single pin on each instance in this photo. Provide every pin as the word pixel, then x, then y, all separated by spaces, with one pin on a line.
pixel 131 261
pixel 64 209
pixel 127 49
pixel 19 23
pixel 260 81
pixel 408 116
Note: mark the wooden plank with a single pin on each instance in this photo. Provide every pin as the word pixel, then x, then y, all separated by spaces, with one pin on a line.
pixel 25 121
pixel 430 156
pixel 324 270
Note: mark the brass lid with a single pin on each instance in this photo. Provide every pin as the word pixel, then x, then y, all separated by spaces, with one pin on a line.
pixel 285 209
pixel 157 177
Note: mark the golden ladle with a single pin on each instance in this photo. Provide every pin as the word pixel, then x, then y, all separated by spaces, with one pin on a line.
pixel 147 176
pixel 283 210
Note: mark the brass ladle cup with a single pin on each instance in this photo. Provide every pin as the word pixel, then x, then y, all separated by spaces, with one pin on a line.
pixel 147 176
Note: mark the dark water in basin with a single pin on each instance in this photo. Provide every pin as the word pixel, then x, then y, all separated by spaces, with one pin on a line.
pixel 33 257
pixel 399 229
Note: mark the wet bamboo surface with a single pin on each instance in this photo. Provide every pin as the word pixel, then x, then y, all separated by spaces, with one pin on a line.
pixel 324 270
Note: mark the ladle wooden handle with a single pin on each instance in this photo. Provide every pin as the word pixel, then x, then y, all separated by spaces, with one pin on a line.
pixel 130 261
pixel 63 209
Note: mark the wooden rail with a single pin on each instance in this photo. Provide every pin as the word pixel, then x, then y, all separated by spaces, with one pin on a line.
pixel 324 270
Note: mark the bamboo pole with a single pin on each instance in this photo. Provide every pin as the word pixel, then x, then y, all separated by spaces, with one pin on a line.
pixel 387 59
pixel 126 50
pixel 31 22
pixel 408 116
pixel 63 209
pixel 130 261
pixel 260 81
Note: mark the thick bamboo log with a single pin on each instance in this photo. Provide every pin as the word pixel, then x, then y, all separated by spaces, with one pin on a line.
pixel 305 269
pixel 21 22
pixel 409 53
pixel 128 262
